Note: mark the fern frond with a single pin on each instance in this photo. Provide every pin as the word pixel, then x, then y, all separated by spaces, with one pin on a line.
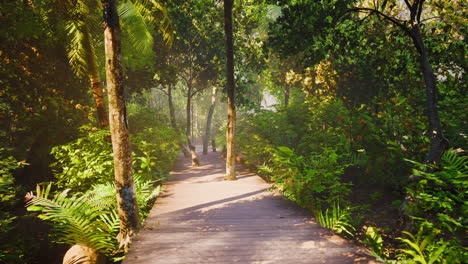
pixel 336 219
pixel 455 163
pixel 75 220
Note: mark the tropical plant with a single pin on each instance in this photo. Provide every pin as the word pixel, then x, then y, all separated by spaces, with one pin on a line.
pixel 103 195
pixel 87 161
pixel 8 199
pixel 91 218
pixel 375 242
pixel 314 181
pixel 336 218
pixel 139 17
pixel 76 220
pixel 419 245
pixel 441 192
pixel 83 162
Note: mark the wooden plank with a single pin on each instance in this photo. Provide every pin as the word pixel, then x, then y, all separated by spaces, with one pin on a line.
pixel 202 219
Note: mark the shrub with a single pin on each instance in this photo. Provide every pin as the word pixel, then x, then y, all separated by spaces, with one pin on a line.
pixel 84 162
pixel 312 181
pixel 9 252
pixel 88 160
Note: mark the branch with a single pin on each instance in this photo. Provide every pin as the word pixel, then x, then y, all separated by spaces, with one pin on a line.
pixel 183 78
pixel 408 4
pixel 430 18
pixel 162 90
pixel 397 22
pixel 420 10
pixel 414 10
pixel 197 91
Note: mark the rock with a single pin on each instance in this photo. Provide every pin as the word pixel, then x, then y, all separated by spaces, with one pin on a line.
pixel 79 254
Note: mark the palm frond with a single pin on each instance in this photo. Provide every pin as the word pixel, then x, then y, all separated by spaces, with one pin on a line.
pixel 157 15
pixel 136 28
pixel 80 16
pixel 77 52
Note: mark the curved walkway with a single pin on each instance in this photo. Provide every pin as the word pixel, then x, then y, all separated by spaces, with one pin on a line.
pixel 201 218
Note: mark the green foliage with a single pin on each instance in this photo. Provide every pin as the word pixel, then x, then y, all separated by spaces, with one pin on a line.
pixel 156 149
pixel 337 219
pixel 441 194
pixel 103 195
pixel 421 248
pixel 439 212
pixel 312 181
pixel 91 218
pixel 84 162
pixel 375 242
pixel 8 199
pixel 88 160
pixel 76 220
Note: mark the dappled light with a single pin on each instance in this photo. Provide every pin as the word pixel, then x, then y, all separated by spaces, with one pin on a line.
pixel 233 131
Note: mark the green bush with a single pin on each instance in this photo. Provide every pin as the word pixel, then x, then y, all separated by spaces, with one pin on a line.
pixel 84 162
pixel 88 160
pixel 442 193
pixel 9 252
pixel 155 150
pixel 313 182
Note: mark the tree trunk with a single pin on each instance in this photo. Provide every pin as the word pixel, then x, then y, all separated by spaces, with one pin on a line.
pixel 193 153
pixel 125 189
pixel 173 120
pixel 213 144
pixel 438 142
pixel 230 133
pixel 171 107
pixel 206 139
pixel 95 80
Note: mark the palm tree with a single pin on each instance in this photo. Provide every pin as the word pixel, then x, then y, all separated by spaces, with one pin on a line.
pixel 138 18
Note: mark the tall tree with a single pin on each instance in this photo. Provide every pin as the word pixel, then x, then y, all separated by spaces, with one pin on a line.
pixel 138 18
pixel 196 52
pixel 125 189
pixel 230 133
pixel 209 118
pixel 412 27
pixel 81 52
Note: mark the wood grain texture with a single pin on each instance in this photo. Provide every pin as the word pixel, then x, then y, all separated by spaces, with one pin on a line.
pixel 200 218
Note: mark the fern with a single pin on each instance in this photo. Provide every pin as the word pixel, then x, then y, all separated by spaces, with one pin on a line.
pixel 336 219
pixel 77 220
pixel 418 246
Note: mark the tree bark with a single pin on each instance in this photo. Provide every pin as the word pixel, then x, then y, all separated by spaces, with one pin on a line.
pixel 95 81
pixel 125 189
pixel 438 142
pixel 193 153
pixel 173 120
pixel 206 139
pixel 230 133
pixel 213 144
pixel 171 107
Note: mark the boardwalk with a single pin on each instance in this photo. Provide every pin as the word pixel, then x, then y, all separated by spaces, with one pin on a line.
pixel 203 219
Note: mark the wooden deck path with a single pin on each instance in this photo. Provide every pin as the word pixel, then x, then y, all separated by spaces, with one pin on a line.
pixel 201 218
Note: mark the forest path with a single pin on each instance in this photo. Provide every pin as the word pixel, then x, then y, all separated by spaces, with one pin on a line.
pixel 200 218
